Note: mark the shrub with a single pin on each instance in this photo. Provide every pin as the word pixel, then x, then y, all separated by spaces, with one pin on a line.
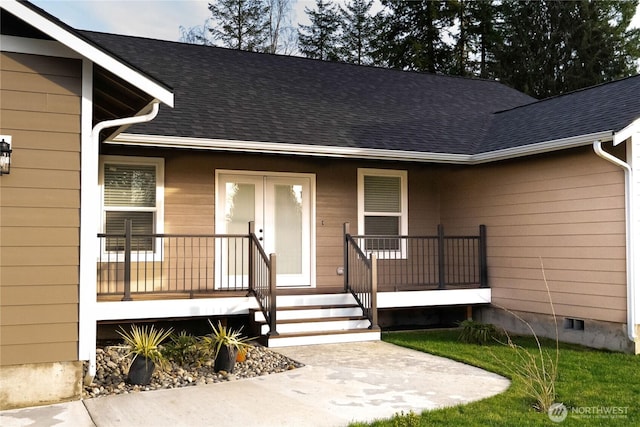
pixel 477 333
pixel 183 349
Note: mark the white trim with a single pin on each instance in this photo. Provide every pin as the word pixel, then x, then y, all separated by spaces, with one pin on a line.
pixel 634 294
pixel 158 162
pixel 36 47
pixel 355 153
pixel 89 215
pixel 541 147
pixel 89 51
pixel 284 148
pixel 434 298
pixel 632 130
pixel 162 309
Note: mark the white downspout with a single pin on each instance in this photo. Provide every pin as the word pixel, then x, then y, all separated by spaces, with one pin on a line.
pixel 628 180
pixel 88 253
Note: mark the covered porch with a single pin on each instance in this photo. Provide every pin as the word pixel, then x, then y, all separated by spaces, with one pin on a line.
pixel 159 276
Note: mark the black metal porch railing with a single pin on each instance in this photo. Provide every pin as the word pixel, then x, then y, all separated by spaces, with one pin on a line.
pixel 188 265
pixel 428 262
pixel 361 278
pixel 263 286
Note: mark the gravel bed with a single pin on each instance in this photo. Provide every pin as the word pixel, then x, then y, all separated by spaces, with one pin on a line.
pixel 112 367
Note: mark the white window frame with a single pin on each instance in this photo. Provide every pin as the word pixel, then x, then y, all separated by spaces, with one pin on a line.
pixel 403 214
pixel 158 162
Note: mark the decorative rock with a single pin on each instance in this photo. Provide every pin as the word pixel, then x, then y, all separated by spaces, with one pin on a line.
pixel 112 367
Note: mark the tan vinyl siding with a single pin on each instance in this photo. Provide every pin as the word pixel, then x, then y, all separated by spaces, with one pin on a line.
pixel 40 99
pixel 566 209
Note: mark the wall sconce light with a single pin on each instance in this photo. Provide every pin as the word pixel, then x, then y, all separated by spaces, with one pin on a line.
pixel 5 154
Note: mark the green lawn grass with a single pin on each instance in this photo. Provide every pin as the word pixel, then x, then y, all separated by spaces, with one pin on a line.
pixel 587 378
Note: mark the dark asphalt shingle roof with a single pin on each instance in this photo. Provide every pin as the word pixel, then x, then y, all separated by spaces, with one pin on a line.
pixel 606 107
pixel 235 95
pixel 229 94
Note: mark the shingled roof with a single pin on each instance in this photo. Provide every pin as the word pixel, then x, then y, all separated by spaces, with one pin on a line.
pixel 224 94
pixel 236 95
pixel 607 107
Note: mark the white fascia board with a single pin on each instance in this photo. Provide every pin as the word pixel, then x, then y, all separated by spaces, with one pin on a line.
pixel 285 148
pixel 541 148
pixel 89 51
pixel 626 133
pixel 356 153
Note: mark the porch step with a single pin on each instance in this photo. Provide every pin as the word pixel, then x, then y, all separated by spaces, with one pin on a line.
pixel 304 319
pixel 333 337
pixel 321 324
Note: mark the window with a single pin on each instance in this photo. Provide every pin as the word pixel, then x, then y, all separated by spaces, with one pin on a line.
pixel 132 188
pixel 382 208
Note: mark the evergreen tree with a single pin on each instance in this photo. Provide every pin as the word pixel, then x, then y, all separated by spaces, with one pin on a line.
pixel 551 46
pixel 476 35
pixel 358 32
pixel 240 24
pixel 320 39
pixel 413 36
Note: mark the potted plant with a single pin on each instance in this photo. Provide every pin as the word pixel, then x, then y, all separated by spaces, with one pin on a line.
pixel 143 343
pixel 223 344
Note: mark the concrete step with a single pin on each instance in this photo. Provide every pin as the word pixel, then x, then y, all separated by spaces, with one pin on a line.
pixel 333 337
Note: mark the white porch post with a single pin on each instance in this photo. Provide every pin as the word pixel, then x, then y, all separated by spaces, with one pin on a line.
pixel 89 216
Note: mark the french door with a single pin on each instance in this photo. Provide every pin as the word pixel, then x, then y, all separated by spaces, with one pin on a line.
pixel 281 205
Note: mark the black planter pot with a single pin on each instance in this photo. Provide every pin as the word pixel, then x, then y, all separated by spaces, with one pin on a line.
pixel 226 359
pixel 141 370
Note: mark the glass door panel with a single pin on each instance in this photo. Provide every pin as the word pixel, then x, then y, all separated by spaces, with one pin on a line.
pixel 240 198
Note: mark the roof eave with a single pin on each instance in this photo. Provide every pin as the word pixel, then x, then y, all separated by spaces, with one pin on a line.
pixel 356 153
pixel 541 147
pixel 90 51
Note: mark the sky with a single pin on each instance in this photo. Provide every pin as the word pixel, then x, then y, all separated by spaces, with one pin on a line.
pixel 159 19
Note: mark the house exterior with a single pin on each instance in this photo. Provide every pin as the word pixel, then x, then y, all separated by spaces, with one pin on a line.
pixel 297 148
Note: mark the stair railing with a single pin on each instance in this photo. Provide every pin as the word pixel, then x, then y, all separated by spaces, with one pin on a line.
pixel 262 279
pixel 361 277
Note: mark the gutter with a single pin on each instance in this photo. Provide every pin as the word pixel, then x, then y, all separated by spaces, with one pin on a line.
pixel 630 246
pixel 87 254
pixel 262 147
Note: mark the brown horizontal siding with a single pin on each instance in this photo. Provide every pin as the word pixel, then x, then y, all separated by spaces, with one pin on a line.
pixel 565 211
pixel 48 122
pixel 25 276
pixel 39 314
pixel 38 295
pixel 39 353
pixel 40 65
pixel 47 159
pixel 16 335
pixel 40 103
pixel 37 236
pixel 50 142
pixel 39 83
pixel 38 256
pixel 41 197
pixel 38 217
